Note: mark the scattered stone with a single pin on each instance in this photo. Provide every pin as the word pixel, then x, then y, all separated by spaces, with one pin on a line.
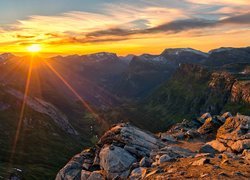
pixel 238 173
pixel 223 174
pixel 207 148
pixel 138 173
pixel 182 173
pixel 204 175
pixel 201 161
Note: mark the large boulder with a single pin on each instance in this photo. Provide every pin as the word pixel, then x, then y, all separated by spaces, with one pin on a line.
pixel 116 161
pixel 136 141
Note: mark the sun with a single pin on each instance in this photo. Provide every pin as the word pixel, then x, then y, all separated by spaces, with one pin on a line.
pixel 34 48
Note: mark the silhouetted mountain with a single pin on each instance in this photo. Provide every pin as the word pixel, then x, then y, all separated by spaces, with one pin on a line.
pixel 223 56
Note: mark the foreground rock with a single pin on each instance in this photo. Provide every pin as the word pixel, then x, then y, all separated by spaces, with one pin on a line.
pixel 115 154
pixel 232 136
pixel 127 152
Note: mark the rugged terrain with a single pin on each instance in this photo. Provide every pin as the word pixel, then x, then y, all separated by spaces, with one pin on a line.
pixel 209 147
pixel 153 92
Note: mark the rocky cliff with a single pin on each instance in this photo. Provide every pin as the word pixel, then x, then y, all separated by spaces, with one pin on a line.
pixel 210 147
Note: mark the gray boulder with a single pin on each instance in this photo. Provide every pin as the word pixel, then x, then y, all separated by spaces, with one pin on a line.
pixel 116 161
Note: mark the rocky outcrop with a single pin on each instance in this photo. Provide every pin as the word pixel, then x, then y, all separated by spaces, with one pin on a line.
pixel 117 152
pixel 232 136
pixel 127 152
pixel 241 92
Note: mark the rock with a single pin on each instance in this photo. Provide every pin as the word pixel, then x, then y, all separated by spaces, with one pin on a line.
pixel 116 161
pixel 218 146
pixel 223 174
pixel 136 141
pixel 210 125
pixel 204 117
pixel 204 175
pixel 206 148
pixel 240 145
pixel 234 133
pixel 237 173
pixel 164 158
pixel 201 162
pixel 246 155
pixel 191 133
pixel 96 175
pixel 145 162
pixel 175 151
pixel 166 137
pixel 227 115
pixel 138 173
pixel 72 170
pixel 203 155
pixel 85 174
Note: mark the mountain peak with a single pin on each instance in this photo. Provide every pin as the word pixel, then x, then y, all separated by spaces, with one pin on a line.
pixel 6 56
pixel 177 51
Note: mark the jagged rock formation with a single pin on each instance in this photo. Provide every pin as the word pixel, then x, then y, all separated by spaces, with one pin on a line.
pixel 233 135
pixel 184 151
pixel 241 92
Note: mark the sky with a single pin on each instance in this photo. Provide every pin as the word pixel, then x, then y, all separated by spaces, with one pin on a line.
pixel 122 26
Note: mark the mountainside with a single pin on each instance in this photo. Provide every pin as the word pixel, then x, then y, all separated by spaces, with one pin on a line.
pixel 184 151
pixel 222 56
pixel 76 98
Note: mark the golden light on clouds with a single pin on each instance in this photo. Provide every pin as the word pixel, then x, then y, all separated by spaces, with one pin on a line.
pixel 124 28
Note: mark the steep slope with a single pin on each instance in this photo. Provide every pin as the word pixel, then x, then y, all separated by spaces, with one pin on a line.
pixel 45 133
pixel 194 90
pixel 146 72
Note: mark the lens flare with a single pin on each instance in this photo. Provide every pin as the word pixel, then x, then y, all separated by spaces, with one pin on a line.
pixel 20 120
pixel 34 48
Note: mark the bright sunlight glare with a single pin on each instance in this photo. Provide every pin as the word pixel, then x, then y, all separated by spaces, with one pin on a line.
pixel 34 48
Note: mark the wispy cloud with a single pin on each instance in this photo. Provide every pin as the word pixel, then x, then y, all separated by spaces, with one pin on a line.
pixel 127 21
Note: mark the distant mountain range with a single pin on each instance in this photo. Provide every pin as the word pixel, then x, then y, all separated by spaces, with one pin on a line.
pixel 151 91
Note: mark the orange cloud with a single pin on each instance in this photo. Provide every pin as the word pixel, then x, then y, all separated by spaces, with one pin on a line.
pixel 123 26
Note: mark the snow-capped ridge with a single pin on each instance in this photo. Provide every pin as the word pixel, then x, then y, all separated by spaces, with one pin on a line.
pixel 177 51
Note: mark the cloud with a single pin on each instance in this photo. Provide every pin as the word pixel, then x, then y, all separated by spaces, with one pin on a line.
pixel 174 26
pixel 221 2
pixel 239 19
pixel 128 21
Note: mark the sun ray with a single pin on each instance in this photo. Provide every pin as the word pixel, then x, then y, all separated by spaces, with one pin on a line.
pixel 84 103
pixel 20 120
